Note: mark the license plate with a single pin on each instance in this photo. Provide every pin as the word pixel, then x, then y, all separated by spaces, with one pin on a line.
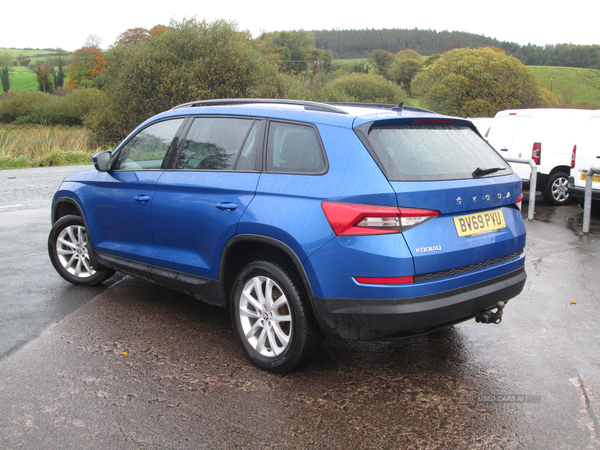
pixel 595 179
pixel 484 222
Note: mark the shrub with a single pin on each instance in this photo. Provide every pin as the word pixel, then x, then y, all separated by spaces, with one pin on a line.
pixel 371 88
pixel 17 104
pixel 39 108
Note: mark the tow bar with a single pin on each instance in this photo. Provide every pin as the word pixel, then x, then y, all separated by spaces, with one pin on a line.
pixel 491 316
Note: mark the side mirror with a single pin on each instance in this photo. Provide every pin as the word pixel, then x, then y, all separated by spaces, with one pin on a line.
pixel 102 161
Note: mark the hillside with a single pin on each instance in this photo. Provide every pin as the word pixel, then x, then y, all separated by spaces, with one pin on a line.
pixel 346 44
pixel 572 84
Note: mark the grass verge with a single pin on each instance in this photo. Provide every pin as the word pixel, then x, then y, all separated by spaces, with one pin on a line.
pixel 23 146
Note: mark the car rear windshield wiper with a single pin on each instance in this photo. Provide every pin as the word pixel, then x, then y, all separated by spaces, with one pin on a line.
pixel 479 172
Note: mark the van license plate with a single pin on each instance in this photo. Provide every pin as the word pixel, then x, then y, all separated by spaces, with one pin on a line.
pixel 595 179
pixel 484 222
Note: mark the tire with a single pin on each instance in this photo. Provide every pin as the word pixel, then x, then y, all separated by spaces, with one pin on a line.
pixel 271 317
pixel 68 250
pixel 556 192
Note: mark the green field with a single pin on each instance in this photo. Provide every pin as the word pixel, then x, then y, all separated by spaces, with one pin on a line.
pixel 22 79
pixel 573 84
pixel 35 53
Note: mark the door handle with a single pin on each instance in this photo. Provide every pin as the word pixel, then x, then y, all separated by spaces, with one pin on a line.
pixel 142 198
pixel 226 206
pixel 503 149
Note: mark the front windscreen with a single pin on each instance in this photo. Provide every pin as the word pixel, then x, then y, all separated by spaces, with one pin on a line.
pixel 426 152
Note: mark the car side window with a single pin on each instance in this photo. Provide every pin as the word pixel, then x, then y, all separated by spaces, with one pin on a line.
pixel 294 148
pixel 219 143
pixel 148 148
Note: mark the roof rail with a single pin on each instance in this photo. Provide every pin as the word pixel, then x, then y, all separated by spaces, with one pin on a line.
pixel 309 106
pixel 399 107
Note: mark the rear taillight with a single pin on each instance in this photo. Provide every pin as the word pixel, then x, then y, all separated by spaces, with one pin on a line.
pixel 519 201
pixel 536 153
pixel 573 156
pixel 351 219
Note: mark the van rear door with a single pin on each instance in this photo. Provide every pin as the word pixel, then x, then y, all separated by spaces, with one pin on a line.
pixel 512 135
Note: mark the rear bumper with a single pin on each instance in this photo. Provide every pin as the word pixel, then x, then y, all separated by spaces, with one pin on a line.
pixel 374 319
pixel 579 192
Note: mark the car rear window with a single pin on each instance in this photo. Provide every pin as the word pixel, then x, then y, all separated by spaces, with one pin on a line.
pixel 427 152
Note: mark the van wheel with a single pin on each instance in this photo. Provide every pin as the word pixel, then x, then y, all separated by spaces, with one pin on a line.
pixel 557 192
pixel 271 317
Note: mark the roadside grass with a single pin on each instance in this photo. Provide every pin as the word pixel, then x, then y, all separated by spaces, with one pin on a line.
pixel 24 146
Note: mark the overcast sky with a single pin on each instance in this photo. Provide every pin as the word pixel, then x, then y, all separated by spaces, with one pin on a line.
pixel 38 24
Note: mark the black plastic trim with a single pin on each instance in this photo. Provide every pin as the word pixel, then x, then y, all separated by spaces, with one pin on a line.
pixel 389 319
pixel 201 288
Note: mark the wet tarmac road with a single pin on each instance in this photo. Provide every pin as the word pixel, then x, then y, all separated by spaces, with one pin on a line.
pixel 139 366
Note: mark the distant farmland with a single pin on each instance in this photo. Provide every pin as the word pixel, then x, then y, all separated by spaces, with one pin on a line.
pixel 573 86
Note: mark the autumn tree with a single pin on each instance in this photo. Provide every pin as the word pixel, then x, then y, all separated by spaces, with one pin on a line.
pixel 478 83
pixel 86 64
pixel 157 30
pixel 5 63
pixel 44 78
pixel 191 60
pixel 132 36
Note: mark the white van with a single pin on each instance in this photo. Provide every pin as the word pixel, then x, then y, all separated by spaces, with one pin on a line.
pixel 482 124
pixel 585 156
pixel 545 135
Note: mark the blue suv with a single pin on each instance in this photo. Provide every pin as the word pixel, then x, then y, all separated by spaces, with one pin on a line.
pixel 306 220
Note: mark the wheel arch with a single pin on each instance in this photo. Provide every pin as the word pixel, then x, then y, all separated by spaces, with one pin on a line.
pixel 66 206
pixel 565 169
pixel 244 248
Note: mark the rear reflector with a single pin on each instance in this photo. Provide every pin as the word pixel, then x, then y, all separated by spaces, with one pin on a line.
pixel 385 280
pixel 352 219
